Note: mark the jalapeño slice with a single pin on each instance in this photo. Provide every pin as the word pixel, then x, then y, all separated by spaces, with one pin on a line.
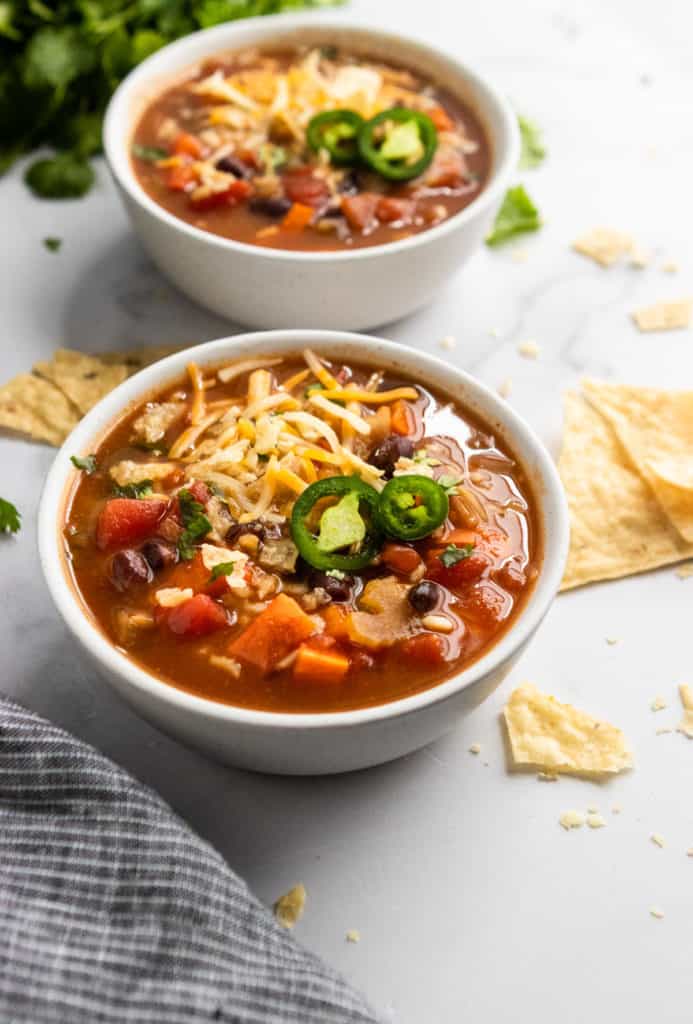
pixel 337 131
pixel 317 539
pixel 412 506
pixel 399 143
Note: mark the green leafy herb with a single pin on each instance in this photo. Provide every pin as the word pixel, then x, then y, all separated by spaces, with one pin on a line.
pixel 86 463
pixel 223 569
pixel 9 517
pixel 148 153
pixel 517 215
pixel 60 61
pixel 52 244
pixel 196 524
pixel 272 157
pixel 533 150
pixel 454 554
pixel 140 490
pixel 449 483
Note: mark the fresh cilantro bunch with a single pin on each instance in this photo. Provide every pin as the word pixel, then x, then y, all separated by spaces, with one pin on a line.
pixel 60 60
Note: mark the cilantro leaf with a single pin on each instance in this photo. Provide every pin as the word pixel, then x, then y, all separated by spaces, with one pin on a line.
pixel 454 553
pixel 150 154
pixel 533 149
pixel 9 517
pixel 196 524
pixel 64 176
pixel 56 56
pixel 52 244
pixel 517 215
pixel 86 463
pixel 449 483
pixel 140 490
pixel 223 569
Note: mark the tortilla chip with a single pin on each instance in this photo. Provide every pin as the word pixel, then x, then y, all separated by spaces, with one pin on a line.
pixel 655 428
pixel 558 738
pixel 617 525
pixel 664 316
pixel 686 724
pixel 37 408
pixel 604 245
pixel 289 907
pixel 83 378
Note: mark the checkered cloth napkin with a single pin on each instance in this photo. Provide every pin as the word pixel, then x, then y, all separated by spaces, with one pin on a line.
pixel 113 911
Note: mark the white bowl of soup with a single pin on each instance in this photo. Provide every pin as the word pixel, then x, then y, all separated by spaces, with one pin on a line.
pixel 303 551
pixel 304 170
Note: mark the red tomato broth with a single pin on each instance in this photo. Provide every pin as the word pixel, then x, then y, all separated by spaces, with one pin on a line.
pixel 481 608
pixel 352 205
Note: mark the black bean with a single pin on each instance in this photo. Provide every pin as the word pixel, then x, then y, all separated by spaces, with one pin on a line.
pixel 263 531
pixel 128 567
pixel 232 165
pixel 349 185
pixel 424 596
pixel 389 451
pixel 159 554
pixel 270 206
pixel 338 589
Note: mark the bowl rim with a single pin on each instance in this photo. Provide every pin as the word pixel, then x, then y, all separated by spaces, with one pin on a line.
pixel 421 364
pixel 117 117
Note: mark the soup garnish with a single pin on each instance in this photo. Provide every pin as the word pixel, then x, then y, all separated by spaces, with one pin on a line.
pixel 290 535
pixel 310 150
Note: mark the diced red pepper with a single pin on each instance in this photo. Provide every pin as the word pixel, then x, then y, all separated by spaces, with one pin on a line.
pixel 197 617
pixel 236 192
pixel 180 178
pixel 302 186
pixel 424 649
pixel 360 210
pixel 390 210
pixel 186 144
pixel 127 520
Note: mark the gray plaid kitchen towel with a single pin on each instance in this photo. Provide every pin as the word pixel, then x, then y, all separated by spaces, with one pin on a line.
pixel 112 910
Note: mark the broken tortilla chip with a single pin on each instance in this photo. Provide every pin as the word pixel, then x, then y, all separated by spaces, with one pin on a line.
pixel 617 526
pixel 655 427
pixel 37 408
pixel 289 907
pixel 557 737
pixel 686 724
pixel 83 378
pixel 604 245
pixel 664 316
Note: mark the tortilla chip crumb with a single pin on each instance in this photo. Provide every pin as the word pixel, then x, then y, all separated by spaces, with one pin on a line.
pixel 519 255
pixel 448 342
pixel 685 571
pixel 639 259
pixel 353 935
pixel 664 316
pixel 571 819
pixel 670 268
pixel 658 704
pixel 529 349
pixel 616 809
pixel 656 912
pixel 475 748
pixel 495 332
pixel 505 388
pixel 663 732
pixel 595 820
pixel 611 640
pixel 658 840
pixel 689 853
pixel 289 907
pixel 686 724
pixel 604 245
pixel 547 777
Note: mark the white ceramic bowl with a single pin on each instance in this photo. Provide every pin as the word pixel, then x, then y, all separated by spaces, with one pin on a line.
pixel 307 743
pixel 264 287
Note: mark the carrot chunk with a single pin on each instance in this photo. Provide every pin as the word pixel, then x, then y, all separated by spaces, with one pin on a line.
pixel 320 666
pixel 186 144
pixel 298 217
pixel 179 178
pixel 336 620
pixel 276 632
pixel 402 418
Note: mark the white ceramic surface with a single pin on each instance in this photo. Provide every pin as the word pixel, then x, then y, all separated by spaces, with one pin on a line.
pixel 310 743
pixel 264 287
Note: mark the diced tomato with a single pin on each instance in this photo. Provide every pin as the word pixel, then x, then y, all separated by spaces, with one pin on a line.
pixel 200 492
pixel 196 617
pixel 299 217
pixel 302 186
pixel 186 144
pixel 180 178
pixel 401 558
pixel 248 157
pixel 127 520
pixel 424 649
pixel 276 632
pixel 389 210
pixel 441 119
pixel 467 570
pixel 360 210
pixel 510 577
pixel 236 192
pixel 485 605
pixel 448 170
pixel 319 666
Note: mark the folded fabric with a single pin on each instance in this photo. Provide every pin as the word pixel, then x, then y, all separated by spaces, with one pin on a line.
pixel 112 910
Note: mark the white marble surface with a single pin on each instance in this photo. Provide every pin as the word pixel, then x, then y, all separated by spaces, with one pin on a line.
pixel 471 901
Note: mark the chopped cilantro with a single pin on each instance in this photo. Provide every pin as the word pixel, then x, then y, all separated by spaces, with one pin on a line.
pixel 449 483
pixel 223 569
pixel 196 524
pixel 455 553
pixel 52 244
pixel 86 463
pixel 64 176
pixel 533 150
pixel 272 157
pixel 517 215
pixel 139 490
pixel 9 517
pixel 150 154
